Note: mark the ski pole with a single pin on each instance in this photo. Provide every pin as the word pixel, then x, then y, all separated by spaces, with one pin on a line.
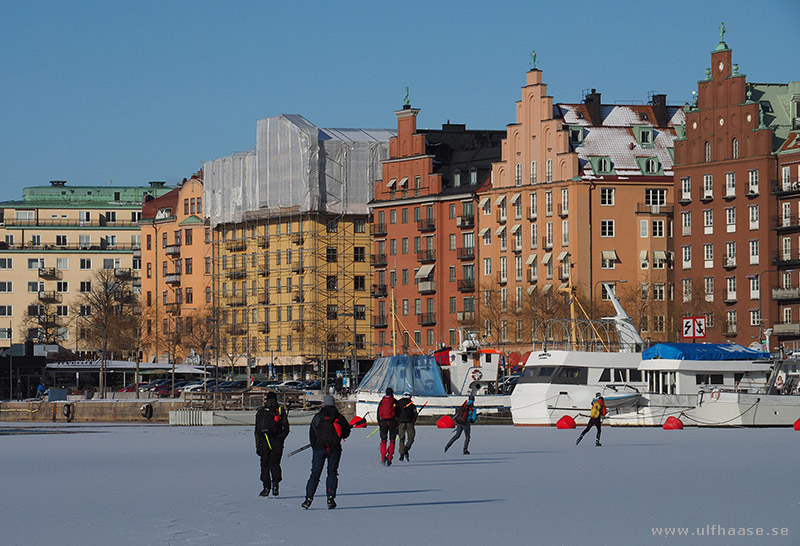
pixel 373 432
pixel 298 450
pixel 269 444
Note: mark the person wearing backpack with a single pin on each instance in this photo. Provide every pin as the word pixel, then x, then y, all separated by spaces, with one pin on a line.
pixel 272 428
pixel 596 415
pixel 406 419
pixel 327 431
pixel 465 416
pixel 387 422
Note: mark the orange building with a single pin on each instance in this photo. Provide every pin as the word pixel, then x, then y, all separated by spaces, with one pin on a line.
pixel 424 231
pixel 737 172
pixel 582 190
pixel 176 276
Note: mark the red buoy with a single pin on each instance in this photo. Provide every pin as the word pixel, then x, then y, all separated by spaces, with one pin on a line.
pixel 445 421
pixel 797 425
pixel 565 422
pixel 673 423
pixel 358 422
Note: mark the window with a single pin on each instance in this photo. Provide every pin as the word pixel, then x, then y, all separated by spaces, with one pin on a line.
pixel 708 186
pixel 187 236
pixel 752 181
pixel 548 203
pixel 659 291
pixel 518 175
pixel 643 231
pixel 487 266
pixel 708 152
pixel 606 228
pixel 360 254
pixel 533 172
pixel 86 286
pixel 607 197
pixel 686 188
pixel 603 165
pixel 658 228
pixel 730 184
pixel 753 213
pixel 6 263
pixel 735 149
pixel 655 196
pixel 708 289
pixel 61 240
pixel 5 287
pixel 549 171
pixel 754 252
pixel 35 263
pixel 650 166
pixel 646 137
pixel 62 287
pixel 5 311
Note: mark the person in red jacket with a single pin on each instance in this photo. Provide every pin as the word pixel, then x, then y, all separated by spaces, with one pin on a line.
pixel 387 422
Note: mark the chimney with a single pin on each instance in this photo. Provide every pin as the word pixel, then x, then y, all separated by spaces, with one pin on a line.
pixel 156 183
pixel 58 183
pixel 659 103
pixel 592 101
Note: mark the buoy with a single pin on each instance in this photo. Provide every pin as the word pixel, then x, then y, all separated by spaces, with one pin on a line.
pixel 797 425
pixel 147 411
pixel 565 422
pixel 358 422
pixel 445 421
pixel 673 423
pixel 68 412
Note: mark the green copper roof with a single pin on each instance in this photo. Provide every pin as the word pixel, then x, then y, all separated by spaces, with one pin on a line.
pixel 775 100
pixel 65 196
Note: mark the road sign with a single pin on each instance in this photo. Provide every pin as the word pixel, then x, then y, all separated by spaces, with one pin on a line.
pixel 694 327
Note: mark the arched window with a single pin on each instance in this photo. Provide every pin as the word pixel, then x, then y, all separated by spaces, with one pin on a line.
pixel 735 148
pixel 708 151
pixel 650 166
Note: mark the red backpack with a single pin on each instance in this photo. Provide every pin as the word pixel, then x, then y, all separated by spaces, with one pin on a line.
pixel 386 409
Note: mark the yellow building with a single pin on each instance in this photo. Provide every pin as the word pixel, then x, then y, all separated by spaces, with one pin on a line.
pixel 52 243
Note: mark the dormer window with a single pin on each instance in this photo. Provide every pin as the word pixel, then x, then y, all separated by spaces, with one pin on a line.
pixel 579 114
pixel 651 166
pixel 456 179
pixel 647 137
pixel 643 116
pixel 603 165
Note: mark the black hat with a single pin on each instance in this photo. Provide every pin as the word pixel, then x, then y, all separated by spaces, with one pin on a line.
pixel 271 395
pixel 389 391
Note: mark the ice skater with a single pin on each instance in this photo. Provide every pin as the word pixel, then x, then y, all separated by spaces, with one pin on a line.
pixel 595 418
pixel 465 416
pixel 387 423
pixel 272 428
pixel 328 429
pixel 406 419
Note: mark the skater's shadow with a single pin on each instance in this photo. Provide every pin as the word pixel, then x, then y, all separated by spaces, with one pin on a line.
pixel 465 461
pixel 534 452
pixel 356 494
pixel 432 503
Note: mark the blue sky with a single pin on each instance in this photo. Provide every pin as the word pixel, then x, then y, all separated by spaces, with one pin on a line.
pixel 139 91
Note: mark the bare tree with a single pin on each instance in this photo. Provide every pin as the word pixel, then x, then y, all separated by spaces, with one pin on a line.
pixel 43 321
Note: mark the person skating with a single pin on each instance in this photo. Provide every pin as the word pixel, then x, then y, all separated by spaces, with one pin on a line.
pixel 387 423
pixel 328 429
pixel 465 416
pixel 272 427
pixel 406 419
pixel 595 418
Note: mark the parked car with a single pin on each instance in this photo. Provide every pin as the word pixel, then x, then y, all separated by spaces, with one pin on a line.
pixel 167 389
pixel 132 387
pixel 291 384
pixel 197 386
pixel 312 385
pixel 227 386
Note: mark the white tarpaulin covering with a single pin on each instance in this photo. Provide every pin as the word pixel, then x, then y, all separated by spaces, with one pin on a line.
pixel 297 165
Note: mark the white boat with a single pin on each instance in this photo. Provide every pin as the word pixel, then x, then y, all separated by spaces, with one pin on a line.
pixel 702 384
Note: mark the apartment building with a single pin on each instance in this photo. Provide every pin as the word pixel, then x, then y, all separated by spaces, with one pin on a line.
pixel 424 229
pixel 582 194
pixel 177 273
pixel 51 244
pixel 738 201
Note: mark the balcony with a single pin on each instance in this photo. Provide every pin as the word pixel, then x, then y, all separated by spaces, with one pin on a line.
pixel 466 253
pixel 378 260
pixel 786 224
pixel 426 256
pixel 380 321
pixel 785 258
pixel 644 208
pixel 686 198
pixel 263 241
pixel 173 251
pixel 730 297
pixel 426 319
pixel 263 270
pixel 502 217
pixel 752 191
pixel 547 243
pixel 263 328
pixel 783 188
pixel 783 294
pixel 137 253
pixel 123 274
pixel 786 329
pixel 235 245
pixel 298 267
pixel 502 278
pixel 298 238
pixel 730 331
pixel 236 272
pixel 533 276
pixel 379 291
pixel 298 326
pixel 531 213
pixel 49 273
pixel 298 296
pixel 172 278
pixel 466 285
pixel 563 211
pixel 426 287
pixel 172 308
pixel 466 221
pixel 263 298
pixel 50 296
pixel 426 224
pixel 729 262
pixel 378 230
pixel 236 301
pixel 465 317
pixel 236 330
pixel 706 196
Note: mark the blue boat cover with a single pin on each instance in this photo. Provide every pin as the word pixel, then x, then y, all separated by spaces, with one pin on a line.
pixel 417 374
pixel 703 351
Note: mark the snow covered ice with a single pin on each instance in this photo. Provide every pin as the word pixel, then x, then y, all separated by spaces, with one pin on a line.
pixel 160 485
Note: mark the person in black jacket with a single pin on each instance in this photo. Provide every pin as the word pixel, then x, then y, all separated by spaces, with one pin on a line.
pixel 328 429
pixel 272 428
pixel 406 419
